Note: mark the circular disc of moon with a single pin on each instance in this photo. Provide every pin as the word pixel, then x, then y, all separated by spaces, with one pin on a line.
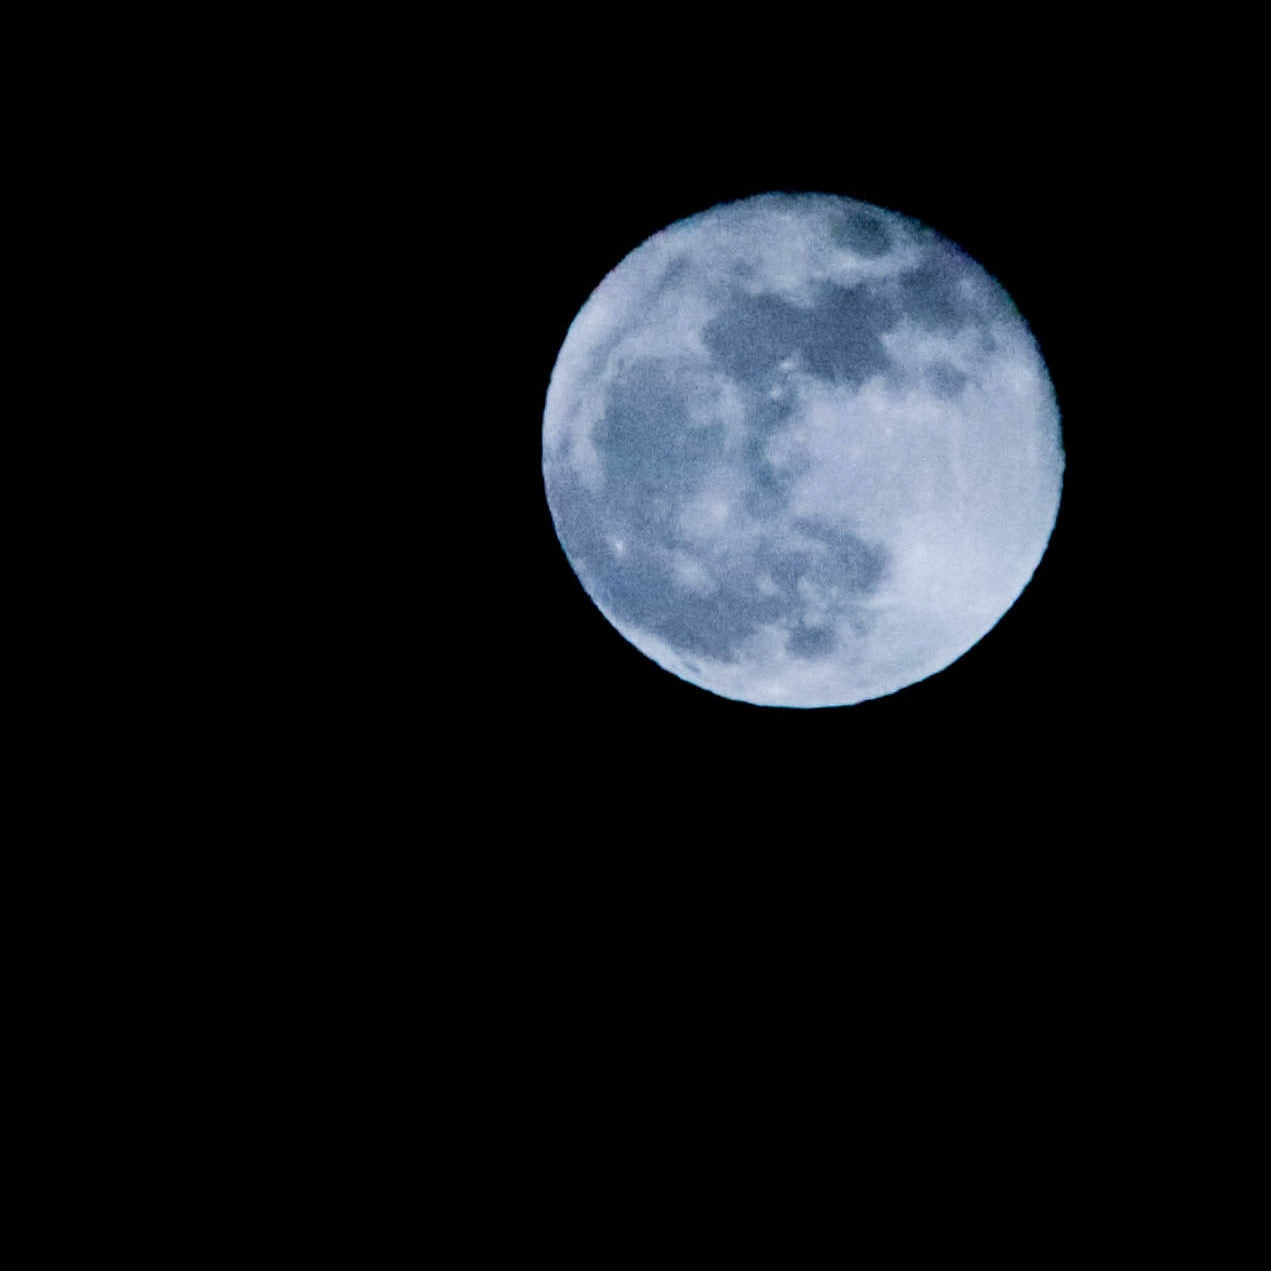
pixel 801 451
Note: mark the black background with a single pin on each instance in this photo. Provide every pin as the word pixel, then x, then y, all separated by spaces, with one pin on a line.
pixel 1014 813
pixel 446 787
pixel 1064 177
pixel 575 834
pixel 446 233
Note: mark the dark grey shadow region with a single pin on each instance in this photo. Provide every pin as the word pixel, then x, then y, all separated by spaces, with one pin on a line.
pixel 767 493
pixel 851 563
pixel 837 338
pixel 638 586
pixel 653 458
pixel 944 379
pixel 931 294
pixel 811 642
pixel 862 230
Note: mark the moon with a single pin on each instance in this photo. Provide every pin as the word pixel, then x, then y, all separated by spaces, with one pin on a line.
pixel 801 451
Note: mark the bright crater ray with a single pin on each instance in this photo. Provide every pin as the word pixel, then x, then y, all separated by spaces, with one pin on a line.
pixel 801 451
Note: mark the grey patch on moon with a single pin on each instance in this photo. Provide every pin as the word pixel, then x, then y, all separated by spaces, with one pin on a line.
pixel 652 458
pixel 947 292
pixel 838 337
pixel 766 497
pixel 856 565
pixel 931 295
pixel 862 230
pixel 768 492
pixel 811 642
pixel 719 407
pixel 629 566
pixel 944 379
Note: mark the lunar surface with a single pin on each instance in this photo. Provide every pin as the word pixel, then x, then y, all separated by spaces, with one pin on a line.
pixel 801 451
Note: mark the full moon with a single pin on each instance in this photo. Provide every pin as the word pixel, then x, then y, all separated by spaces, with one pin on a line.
pixel 801 451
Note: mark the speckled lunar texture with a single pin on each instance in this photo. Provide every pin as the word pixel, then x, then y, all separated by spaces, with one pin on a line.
pixel 801 451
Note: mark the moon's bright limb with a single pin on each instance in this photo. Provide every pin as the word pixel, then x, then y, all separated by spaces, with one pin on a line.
pixel 801 451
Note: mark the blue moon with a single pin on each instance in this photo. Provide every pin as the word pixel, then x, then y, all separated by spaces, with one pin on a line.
pixel 801 451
